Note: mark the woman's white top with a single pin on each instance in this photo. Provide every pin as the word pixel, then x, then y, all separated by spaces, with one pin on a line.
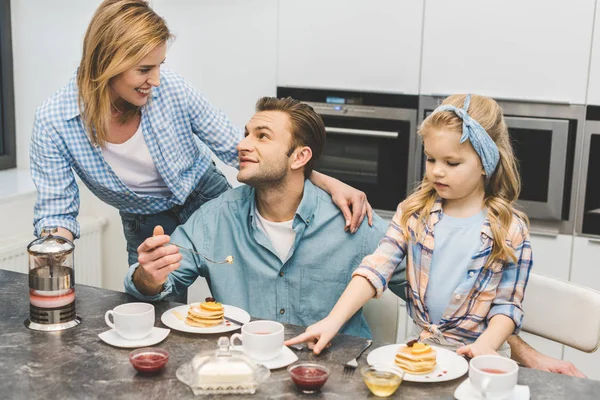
pixel 132 162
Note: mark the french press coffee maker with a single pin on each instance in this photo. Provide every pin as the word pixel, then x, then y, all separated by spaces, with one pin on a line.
pixel 51 283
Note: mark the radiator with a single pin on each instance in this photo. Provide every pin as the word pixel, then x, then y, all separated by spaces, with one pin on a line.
pixel 88 252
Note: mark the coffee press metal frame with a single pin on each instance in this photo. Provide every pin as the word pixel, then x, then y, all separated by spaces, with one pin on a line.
pixel 55 284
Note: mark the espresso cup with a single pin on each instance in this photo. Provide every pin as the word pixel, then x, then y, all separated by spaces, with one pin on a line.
pixel 262 340
pixel 494 377
pixel 132 320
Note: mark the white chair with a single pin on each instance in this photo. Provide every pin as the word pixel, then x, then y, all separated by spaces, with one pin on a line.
pixel 563 312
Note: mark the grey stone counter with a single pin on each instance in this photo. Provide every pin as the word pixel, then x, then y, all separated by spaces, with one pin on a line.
pixel 76 364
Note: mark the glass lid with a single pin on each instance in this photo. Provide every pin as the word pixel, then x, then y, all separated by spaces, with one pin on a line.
pixel 50 244
pixel 224 371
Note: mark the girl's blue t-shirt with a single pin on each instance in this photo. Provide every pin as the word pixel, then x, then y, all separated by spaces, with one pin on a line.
pixel 456 241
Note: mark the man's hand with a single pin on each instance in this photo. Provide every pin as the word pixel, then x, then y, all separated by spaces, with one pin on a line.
pixel 157 260
pixel 318 335
pixel 531 358
pixel 550 364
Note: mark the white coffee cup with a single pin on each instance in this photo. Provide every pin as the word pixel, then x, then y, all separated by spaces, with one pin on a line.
pixel 132 320
pixel 494 377
pixel 262 340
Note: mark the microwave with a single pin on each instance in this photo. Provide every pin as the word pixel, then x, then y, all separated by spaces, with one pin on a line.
pixel 546 138
pixel 370 141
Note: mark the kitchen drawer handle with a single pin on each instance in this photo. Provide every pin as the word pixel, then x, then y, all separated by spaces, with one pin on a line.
pixel 363 132
pixel 595 241
pixel 544 232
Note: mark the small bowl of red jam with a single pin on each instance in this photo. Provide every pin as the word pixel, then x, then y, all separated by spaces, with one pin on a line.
pixel 149 359
pixel 308 377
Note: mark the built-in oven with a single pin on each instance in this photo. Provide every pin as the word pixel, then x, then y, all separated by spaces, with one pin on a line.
pixel 545 140
pixel 371 141
pixel 588 221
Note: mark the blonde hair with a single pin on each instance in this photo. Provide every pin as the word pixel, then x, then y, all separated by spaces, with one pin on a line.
pixel 501 189
pixel 120 35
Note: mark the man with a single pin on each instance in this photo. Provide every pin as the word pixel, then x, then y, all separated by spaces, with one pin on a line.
pixel 292 262
pixel 292 259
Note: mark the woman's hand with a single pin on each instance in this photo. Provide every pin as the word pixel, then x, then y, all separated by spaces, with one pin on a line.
pixel 352 202
pixel 318 335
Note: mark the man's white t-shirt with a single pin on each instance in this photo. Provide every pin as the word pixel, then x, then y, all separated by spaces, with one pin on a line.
pixel 132 162
pixel 281 235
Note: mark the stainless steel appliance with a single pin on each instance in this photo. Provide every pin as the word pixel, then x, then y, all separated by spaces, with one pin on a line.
pixel 51 284
pixel 588 204
pixel 371 141
pixel 545 137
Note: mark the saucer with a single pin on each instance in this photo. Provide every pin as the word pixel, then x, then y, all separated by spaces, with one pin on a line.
pixel 466 392
pixel 285 357
pixel 156 335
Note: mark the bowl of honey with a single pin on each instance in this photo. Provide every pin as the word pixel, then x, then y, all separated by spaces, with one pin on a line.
pixel 382 380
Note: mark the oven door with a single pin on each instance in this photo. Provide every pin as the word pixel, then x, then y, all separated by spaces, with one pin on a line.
pixel 373 159
pixel 590 184
pixel 541 147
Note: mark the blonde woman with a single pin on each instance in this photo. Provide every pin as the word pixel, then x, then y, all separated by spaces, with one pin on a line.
pixel 130 131
pixel 468 248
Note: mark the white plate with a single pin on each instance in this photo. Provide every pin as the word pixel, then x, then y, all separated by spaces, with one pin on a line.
pixel 466 392
pixel 454 365
pixel 156 335
pixel 285 357
pixel 169 318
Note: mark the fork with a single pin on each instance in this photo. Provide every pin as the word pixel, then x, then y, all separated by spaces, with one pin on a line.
pixel 351 365
pixel 227 260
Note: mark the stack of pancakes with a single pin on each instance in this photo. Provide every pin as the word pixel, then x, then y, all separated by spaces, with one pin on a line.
pixel 205 314
pixel 418 359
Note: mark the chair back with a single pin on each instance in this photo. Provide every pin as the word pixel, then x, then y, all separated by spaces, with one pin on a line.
pixel 563 312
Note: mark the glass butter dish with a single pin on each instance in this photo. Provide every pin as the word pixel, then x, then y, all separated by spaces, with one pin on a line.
pixel 226 371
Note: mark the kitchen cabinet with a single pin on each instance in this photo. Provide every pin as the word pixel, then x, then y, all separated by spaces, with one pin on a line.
pixel 405 323
pixel 551 254
pixel 544 346
pixel 369 45
pixel 532 50
pixel 551 257
pixel 585 271
pixel 226 49
pixel 586 362
pixel 594 78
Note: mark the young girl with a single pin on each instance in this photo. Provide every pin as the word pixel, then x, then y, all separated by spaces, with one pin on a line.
pixel 468 249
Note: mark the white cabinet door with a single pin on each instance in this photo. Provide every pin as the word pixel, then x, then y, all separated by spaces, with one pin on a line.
pixel 585 271
pixel 594 80
pixel 405 323
pixel 534 50
pixel 544 346
pixel 551 255
pixel 371 45
pixel 382 316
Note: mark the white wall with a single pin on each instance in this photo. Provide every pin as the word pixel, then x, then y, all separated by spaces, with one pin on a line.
pixel 47 40
pixel 226 49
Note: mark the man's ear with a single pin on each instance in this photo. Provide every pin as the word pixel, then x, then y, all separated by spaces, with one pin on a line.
pixel 300 157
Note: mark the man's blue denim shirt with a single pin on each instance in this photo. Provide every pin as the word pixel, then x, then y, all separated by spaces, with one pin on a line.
pixel 303 289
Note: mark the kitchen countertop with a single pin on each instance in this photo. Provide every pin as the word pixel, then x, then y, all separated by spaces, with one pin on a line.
pixel 76 364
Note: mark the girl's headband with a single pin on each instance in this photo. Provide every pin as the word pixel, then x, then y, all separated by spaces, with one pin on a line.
pixel 481 141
